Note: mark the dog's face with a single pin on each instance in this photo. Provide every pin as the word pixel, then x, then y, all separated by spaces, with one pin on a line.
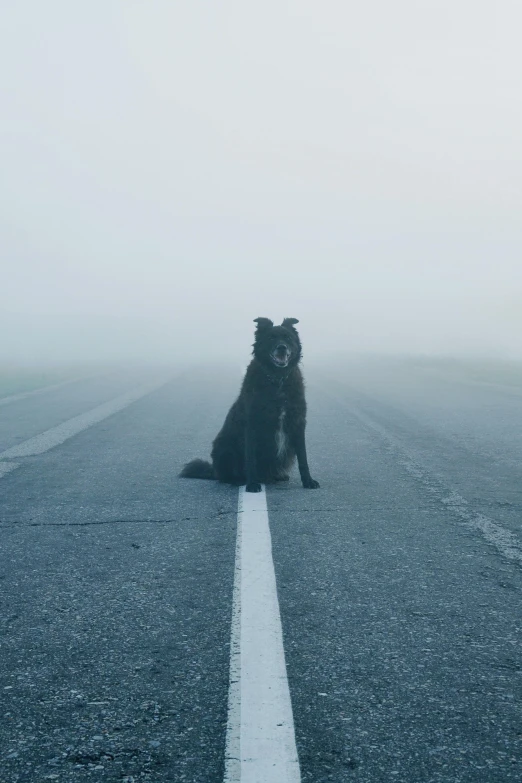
pixel 277 347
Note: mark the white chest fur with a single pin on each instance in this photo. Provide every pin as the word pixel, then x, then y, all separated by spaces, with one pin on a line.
pixel 281 437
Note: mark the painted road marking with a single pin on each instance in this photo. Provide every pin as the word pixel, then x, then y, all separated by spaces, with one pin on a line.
pixel 7 467
pixel 62 432
pixel 493 532
pixel 260 745
pixel 506 542
pixel 43 389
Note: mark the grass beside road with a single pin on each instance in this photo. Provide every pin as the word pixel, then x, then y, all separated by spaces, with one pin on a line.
pixel 15 380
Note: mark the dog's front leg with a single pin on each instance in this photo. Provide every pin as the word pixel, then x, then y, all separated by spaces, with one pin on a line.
pixel 252 482
pixel 302 461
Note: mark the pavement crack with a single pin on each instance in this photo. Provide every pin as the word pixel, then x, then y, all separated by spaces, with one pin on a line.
pixel 5 524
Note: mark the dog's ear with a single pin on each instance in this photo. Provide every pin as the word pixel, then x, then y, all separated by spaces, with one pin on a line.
pixel 289 322
pixel 263 323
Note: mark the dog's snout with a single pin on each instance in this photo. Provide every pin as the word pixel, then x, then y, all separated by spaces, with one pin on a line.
pixel 282 348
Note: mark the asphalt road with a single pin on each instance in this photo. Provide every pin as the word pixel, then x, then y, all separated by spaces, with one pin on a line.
pixel 399 582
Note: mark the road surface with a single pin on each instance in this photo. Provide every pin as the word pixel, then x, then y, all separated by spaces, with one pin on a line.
pixel 398 597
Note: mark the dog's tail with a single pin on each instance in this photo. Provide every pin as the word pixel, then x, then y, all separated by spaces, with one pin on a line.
pixel 198 468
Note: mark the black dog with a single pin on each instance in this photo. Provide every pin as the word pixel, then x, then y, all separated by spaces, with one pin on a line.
pixel 265 428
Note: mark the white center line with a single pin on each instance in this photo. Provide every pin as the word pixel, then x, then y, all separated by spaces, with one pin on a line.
pixel 260 745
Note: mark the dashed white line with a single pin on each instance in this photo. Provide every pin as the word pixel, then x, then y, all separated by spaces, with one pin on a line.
pixel 260 745
pixel 506 542
pixel 62 432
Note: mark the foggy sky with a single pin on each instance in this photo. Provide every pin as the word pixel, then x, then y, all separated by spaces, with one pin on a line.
pixel 171 170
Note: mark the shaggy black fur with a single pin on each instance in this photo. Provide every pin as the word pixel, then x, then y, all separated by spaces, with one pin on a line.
pixel 265 428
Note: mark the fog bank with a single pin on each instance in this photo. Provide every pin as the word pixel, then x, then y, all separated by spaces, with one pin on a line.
pixel 170 171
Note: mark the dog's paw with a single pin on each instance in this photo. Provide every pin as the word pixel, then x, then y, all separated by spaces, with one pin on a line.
pixel 253 486
pixel 310 483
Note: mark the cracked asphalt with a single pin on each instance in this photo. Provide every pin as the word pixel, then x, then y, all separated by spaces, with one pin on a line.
pixel 399 582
